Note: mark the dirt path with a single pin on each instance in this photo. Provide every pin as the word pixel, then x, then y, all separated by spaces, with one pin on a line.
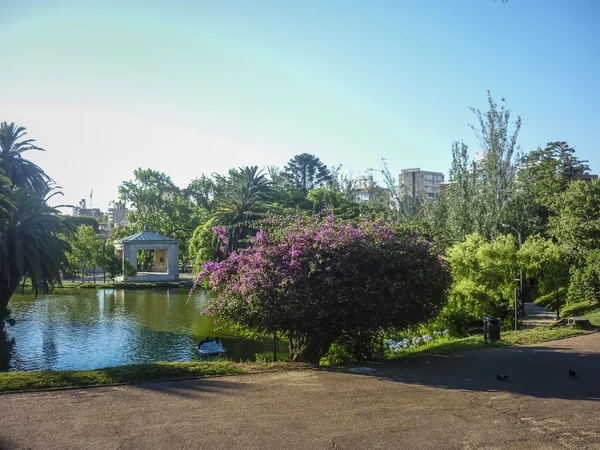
pixel 436 403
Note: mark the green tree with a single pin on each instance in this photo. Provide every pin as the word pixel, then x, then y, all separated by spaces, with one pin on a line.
pixel 21 172
pixel 317 280
pixel 483 193
pixel 306 172
pixel 201 191
pixel 86 249
pixel 160 204
pixel 129 271
pixel 483 273
pixel 546 173
pixel 545 261
pixel 110 263
pixel 576 220
pixel 31 245
pixel 246 194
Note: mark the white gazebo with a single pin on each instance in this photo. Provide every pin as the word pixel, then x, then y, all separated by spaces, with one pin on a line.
pixel 166 255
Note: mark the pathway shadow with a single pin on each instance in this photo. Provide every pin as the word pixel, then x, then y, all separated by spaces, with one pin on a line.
pixel 194 387
pixel 541 372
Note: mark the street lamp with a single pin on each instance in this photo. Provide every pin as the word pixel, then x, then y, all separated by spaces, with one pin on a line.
pixel 506 225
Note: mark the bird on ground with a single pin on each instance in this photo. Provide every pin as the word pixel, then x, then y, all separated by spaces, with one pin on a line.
pixel 502 377
pixel 572 373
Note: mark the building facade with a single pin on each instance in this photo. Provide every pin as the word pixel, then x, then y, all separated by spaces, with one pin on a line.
pixel 82 210
pixel 417 183
pixel 117 214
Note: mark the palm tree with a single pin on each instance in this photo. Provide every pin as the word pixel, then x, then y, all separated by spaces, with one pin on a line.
pixel 30 245
pixel 22 173
pixel 243 197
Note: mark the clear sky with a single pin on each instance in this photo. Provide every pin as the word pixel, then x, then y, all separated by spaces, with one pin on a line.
pixel 189 86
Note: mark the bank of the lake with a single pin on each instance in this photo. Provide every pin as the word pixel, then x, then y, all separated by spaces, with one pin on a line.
pixel 85 329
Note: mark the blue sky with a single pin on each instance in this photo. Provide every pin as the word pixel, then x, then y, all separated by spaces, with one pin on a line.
pixel 190 87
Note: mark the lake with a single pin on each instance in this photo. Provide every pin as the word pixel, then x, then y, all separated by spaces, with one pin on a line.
pixel 80 329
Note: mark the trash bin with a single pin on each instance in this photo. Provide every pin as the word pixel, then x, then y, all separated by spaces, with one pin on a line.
pixel 491 329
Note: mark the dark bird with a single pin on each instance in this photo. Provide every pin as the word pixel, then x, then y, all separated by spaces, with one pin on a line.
pixel 502 377
pixel 572 373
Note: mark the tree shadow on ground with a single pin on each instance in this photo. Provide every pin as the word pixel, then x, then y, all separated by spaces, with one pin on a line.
pixel 195 387
pixel 541 372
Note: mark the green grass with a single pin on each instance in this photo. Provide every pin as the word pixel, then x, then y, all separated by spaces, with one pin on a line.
pixel 27 381
pixel 588 309
pixel 448 345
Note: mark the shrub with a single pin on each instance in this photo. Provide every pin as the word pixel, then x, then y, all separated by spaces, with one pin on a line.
pixel 317 279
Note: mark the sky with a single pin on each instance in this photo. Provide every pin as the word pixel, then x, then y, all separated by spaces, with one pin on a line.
pixel 188 87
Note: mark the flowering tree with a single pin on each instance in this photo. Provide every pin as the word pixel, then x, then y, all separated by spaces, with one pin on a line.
pixel 315 279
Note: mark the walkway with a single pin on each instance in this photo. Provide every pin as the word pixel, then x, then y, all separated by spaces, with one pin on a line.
pixel 427 403
pixel 536 316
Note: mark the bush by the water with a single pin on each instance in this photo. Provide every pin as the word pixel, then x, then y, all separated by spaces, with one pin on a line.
pixel 317 280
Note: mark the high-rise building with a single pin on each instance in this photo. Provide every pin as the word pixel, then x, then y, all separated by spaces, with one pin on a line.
pixel 117 214
pixel 417 183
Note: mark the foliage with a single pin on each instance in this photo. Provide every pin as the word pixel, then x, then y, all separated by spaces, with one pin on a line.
pixel 306 172
pixel 22 173
pixel 483 193
pixel 158 203
pixel 86 248
pixel 483 273
pixel 111 264
pixel 243 197
pixel 201 191
pixel 204 246
pixel 545 261
pixel 576 224
pixel 129 271
pixel 315 279
pixel 585 280
pixel 31 245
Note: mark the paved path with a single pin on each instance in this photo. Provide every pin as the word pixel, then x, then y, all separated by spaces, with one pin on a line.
pixel 435 403
pixel 536 316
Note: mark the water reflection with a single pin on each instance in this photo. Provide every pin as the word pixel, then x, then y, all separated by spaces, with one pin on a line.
pixel 86 329
pixel 6 349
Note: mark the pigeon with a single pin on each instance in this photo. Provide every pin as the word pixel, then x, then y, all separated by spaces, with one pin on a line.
pixel 572 373
pixel 502 377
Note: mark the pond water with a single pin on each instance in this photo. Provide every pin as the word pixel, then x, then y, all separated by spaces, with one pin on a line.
pixel 88 329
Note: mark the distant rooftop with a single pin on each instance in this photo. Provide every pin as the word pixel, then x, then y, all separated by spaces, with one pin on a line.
pixel 146 236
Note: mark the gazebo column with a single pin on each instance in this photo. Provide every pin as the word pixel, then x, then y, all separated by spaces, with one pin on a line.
pixel 173 261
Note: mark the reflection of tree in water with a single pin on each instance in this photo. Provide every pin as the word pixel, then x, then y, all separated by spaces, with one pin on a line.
pixel 49 352
pixel 6 349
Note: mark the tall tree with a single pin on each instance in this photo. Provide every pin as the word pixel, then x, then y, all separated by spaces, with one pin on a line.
pixel 31 245
pixel 546 173
pixel 483 193
pixel 160 204
pixel 245 195
pixel 22 173
pixel 201 191
pixel 576 220
pixel 306 171
pixel 86 248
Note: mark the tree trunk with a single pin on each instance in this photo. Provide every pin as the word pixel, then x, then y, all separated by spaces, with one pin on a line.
pixel 303 349
pixel 7 293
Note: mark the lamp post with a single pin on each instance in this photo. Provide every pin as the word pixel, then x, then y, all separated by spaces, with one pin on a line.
pixel 506 225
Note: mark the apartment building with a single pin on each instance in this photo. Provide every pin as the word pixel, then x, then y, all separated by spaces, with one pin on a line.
pixel 420 183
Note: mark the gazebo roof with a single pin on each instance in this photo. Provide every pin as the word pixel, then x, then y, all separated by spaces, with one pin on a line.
pixel 146 236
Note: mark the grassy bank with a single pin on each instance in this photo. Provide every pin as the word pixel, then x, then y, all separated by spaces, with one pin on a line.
pixel 587 309
pixel 445 346
pixel 110 285
pixel 31 381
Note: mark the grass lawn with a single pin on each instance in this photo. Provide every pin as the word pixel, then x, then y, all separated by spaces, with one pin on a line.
pixel 447 345
pixel 587 309
pixel 30 381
